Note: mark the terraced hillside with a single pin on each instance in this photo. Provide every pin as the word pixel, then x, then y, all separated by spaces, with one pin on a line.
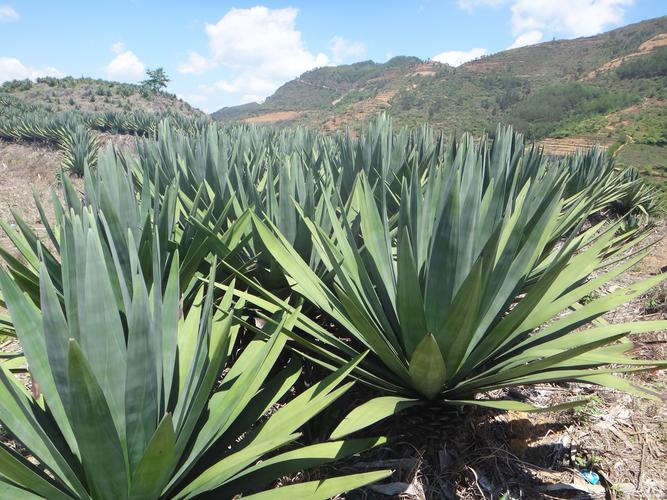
pixel 552 89
pixel 609 89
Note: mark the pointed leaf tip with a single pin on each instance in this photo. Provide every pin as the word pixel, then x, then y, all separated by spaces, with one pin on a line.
pixel 427 368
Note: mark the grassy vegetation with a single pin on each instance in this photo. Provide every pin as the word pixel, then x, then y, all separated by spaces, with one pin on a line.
pixel 652 65
pixel 647 125
pixel 579 126
pixel 543 111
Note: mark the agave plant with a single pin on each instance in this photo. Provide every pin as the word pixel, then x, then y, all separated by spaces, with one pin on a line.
pixel 236 170
pixel 641 195
pixel 78 149
pixel 449 301
pixel 146 402
pixel 6 327
pixel 260 170
pixel 157 224
pixel 619 189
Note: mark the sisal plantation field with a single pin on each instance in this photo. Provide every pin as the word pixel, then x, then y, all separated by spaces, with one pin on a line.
pixel 208 310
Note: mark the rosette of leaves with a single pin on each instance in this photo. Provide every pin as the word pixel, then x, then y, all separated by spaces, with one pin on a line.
pixel 133 398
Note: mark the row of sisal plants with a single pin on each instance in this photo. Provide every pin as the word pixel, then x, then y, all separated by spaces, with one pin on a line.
pixel 33 122
pixel 73 132
pixel 167 312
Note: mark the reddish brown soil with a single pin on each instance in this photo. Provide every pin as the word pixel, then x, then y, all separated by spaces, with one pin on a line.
pixel 279 116
pixel 571 144
pixel 645 48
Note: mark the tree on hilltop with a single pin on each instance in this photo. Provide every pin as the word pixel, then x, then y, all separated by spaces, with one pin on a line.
pixel 157 79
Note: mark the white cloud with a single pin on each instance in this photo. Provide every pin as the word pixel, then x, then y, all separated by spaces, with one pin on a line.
pixel 126 66
pixel 252 88
pixel 262 38
pixel 572 17
pixel 8 14
pixel 261 46
pixel 528 38
pixel 13 69
pixel 346 50
pixel 458 57
pixel 196 64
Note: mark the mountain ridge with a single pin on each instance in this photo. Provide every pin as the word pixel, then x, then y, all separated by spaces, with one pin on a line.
pixel 501 87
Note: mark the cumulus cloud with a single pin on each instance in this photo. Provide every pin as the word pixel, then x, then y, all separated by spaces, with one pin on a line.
pixel 254 87
pixel 567 17
pixel 126 66
pixel 343 50
pixel 261 46
pixel 572 17
pixel 8 14
pixel 263 38
pixel 458 57
pixel 528 38
pixel 13 69
pixel 196 64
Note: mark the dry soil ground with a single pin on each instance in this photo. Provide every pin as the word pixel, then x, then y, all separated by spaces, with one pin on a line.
pixel 480 453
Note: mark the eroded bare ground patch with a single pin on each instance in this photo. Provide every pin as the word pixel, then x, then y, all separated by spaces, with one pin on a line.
pixel 27 168
pixel 278 116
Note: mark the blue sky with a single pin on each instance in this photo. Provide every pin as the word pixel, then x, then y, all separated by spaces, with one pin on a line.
pixel 224 53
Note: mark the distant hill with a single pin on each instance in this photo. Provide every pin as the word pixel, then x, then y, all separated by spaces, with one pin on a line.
pixel 609 89
pixel 93 95
pixel 553 89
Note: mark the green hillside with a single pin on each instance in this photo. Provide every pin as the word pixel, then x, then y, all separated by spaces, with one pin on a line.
pixel 556 88
pixel 70 114
pixel 609 89
pixel 93 95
